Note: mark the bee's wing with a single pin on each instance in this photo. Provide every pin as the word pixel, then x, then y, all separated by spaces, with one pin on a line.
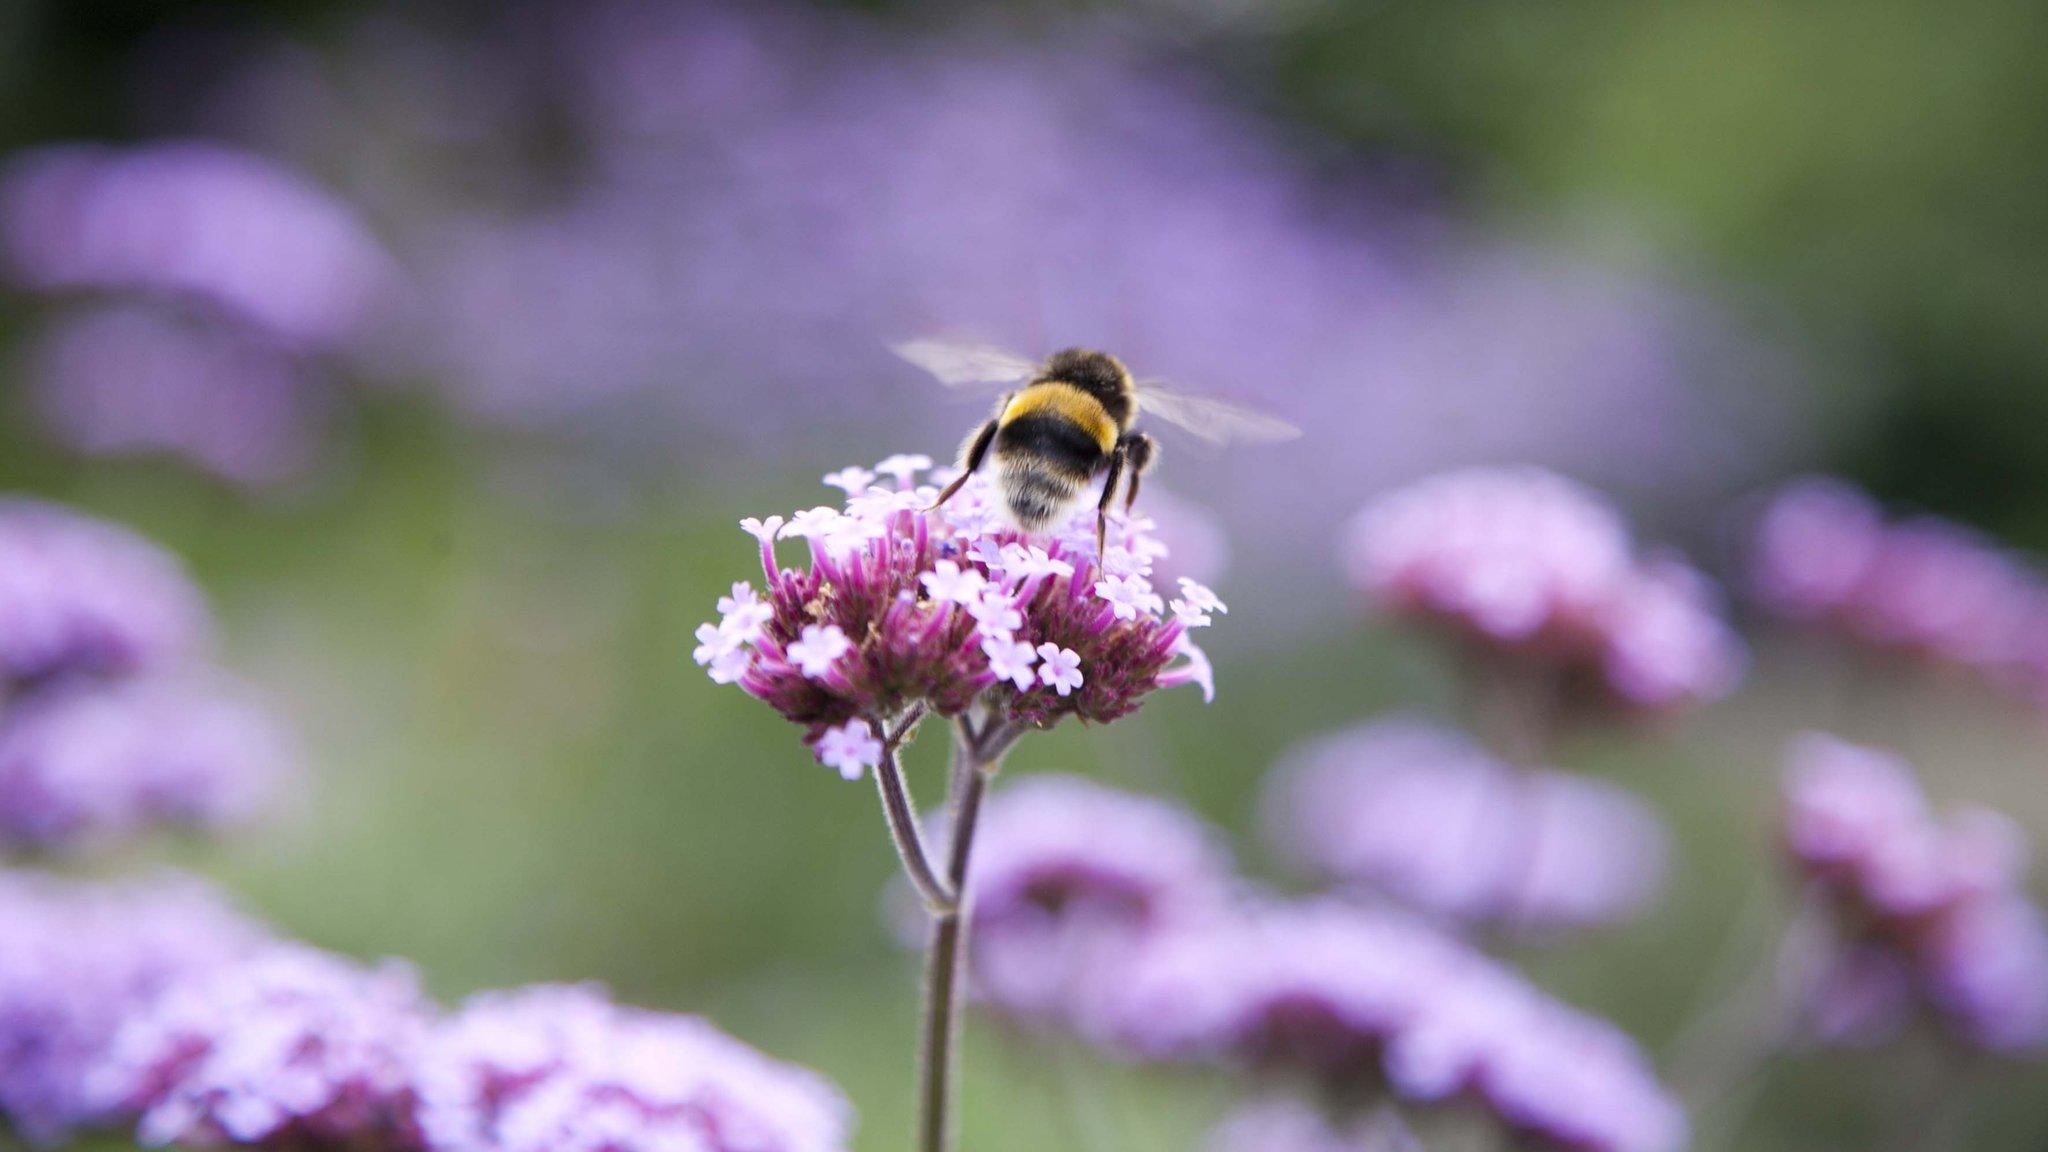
pixel 967 365
pixel 1213 420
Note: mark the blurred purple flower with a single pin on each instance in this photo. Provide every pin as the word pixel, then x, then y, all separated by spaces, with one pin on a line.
pixel 1347 997
pixel 1524 562
pixel 1825 557
pixel 763 193
pixel 77 958
pixel 1290 1125
pixel 193 219
pixel 87 763
pixel 1814 543
pixel 1944 898
pixel 561 1069
pixel 286 1048
pixel 948 608
pixel 1069 878
pixel 1429 818
pixel 140 378
pixel 79 595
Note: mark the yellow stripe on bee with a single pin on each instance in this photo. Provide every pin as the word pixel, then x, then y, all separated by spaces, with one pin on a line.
pixel 1067 402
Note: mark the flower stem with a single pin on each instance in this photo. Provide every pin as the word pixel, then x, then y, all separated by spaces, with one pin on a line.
pixel 901 813
pixel 976 756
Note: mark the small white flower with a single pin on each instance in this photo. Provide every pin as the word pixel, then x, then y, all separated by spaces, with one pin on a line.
pixel 991 555
pixel 713 642
pixel 1060 668
pixel 1021 561
pixel 995 614
pixel 728 666
pixel 850 480
pixel 851 532
pixel 1190 616
pixel 743 613
pixel 763 530
pixel 1010 660
pixel 1128 596
pixel 948 583
pixel 1121 561
pixel 1199 595
pixel 813 522
pixel 904 467
pixel 820 646
pixel 851 749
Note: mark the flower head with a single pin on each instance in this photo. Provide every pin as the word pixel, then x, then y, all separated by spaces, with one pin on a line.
pixel 77 958
pixel 284 1047
pixel 1426 816
pixel 86 763
pixel 194 220
pixel 81 596
pixel 1341 996
pixel 1940 901
pixel 561 1069
pixel 1524 562
pixel 850 749
pixel 1068 878
pixel 948 608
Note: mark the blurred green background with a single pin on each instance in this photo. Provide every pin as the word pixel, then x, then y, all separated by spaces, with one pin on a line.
pixel 519 775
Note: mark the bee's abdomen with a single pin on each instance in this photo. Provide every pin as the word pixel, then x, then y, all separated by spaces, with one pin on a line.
pixel 1036 496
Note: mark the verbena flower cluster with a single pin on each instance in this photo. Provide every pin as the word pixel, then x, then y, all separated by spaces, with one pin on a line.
pixel 1426 816
pixel 1116 917
pixel 1069 879
pixel 77 960
pixel 901 605
pixel 1929 912
pixel 558 1068
pixel 288 1047
pixel 1524 562
pixel 153 1006
pixel 1347 999
pixel 1828 558
pixel 109 724
pixel 220 277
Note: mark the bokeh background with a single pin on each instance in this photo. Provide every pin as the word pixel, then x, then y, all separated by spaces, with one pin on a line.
pixel 573 287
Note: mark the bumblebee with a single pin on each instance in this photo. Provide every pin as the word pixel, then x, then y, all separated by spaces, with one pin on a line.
pixel 1067 421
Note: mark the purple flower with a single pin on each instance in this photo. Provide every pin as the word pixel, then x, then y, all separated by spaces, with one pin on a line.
pixel 77 958
pixel 949 609
pixel 1665 640
pixel 1527 563
pixel 1814 543
pixel 1290 1125
pixel 1514 557
pixel 139 378
pixel 282 1049
pixel 1426 816
pixel 85 763
pixel 1068 878
pixel 78 595
pixel 1345 998
pixel 560 1069
pixel 1825 557
pixel 197 220
pixel 1942 899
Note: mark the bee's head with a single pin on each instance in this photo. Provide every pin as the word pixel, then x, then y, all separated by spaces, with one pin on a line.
pixel 1098 372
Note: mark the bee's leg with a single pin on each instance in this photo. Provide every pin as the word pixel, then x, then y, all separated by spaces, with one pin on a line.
pixel 1109 483
pixel 970 460
pixel 1140 451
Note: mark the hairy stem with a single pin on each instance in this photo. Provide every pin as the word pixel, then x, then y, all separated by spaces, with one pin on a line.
pixel 904 831
pixel 976 756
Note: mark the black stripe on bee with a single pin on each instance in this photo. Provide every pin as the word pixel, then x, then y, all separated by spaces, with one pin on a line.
pixel 1054 442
